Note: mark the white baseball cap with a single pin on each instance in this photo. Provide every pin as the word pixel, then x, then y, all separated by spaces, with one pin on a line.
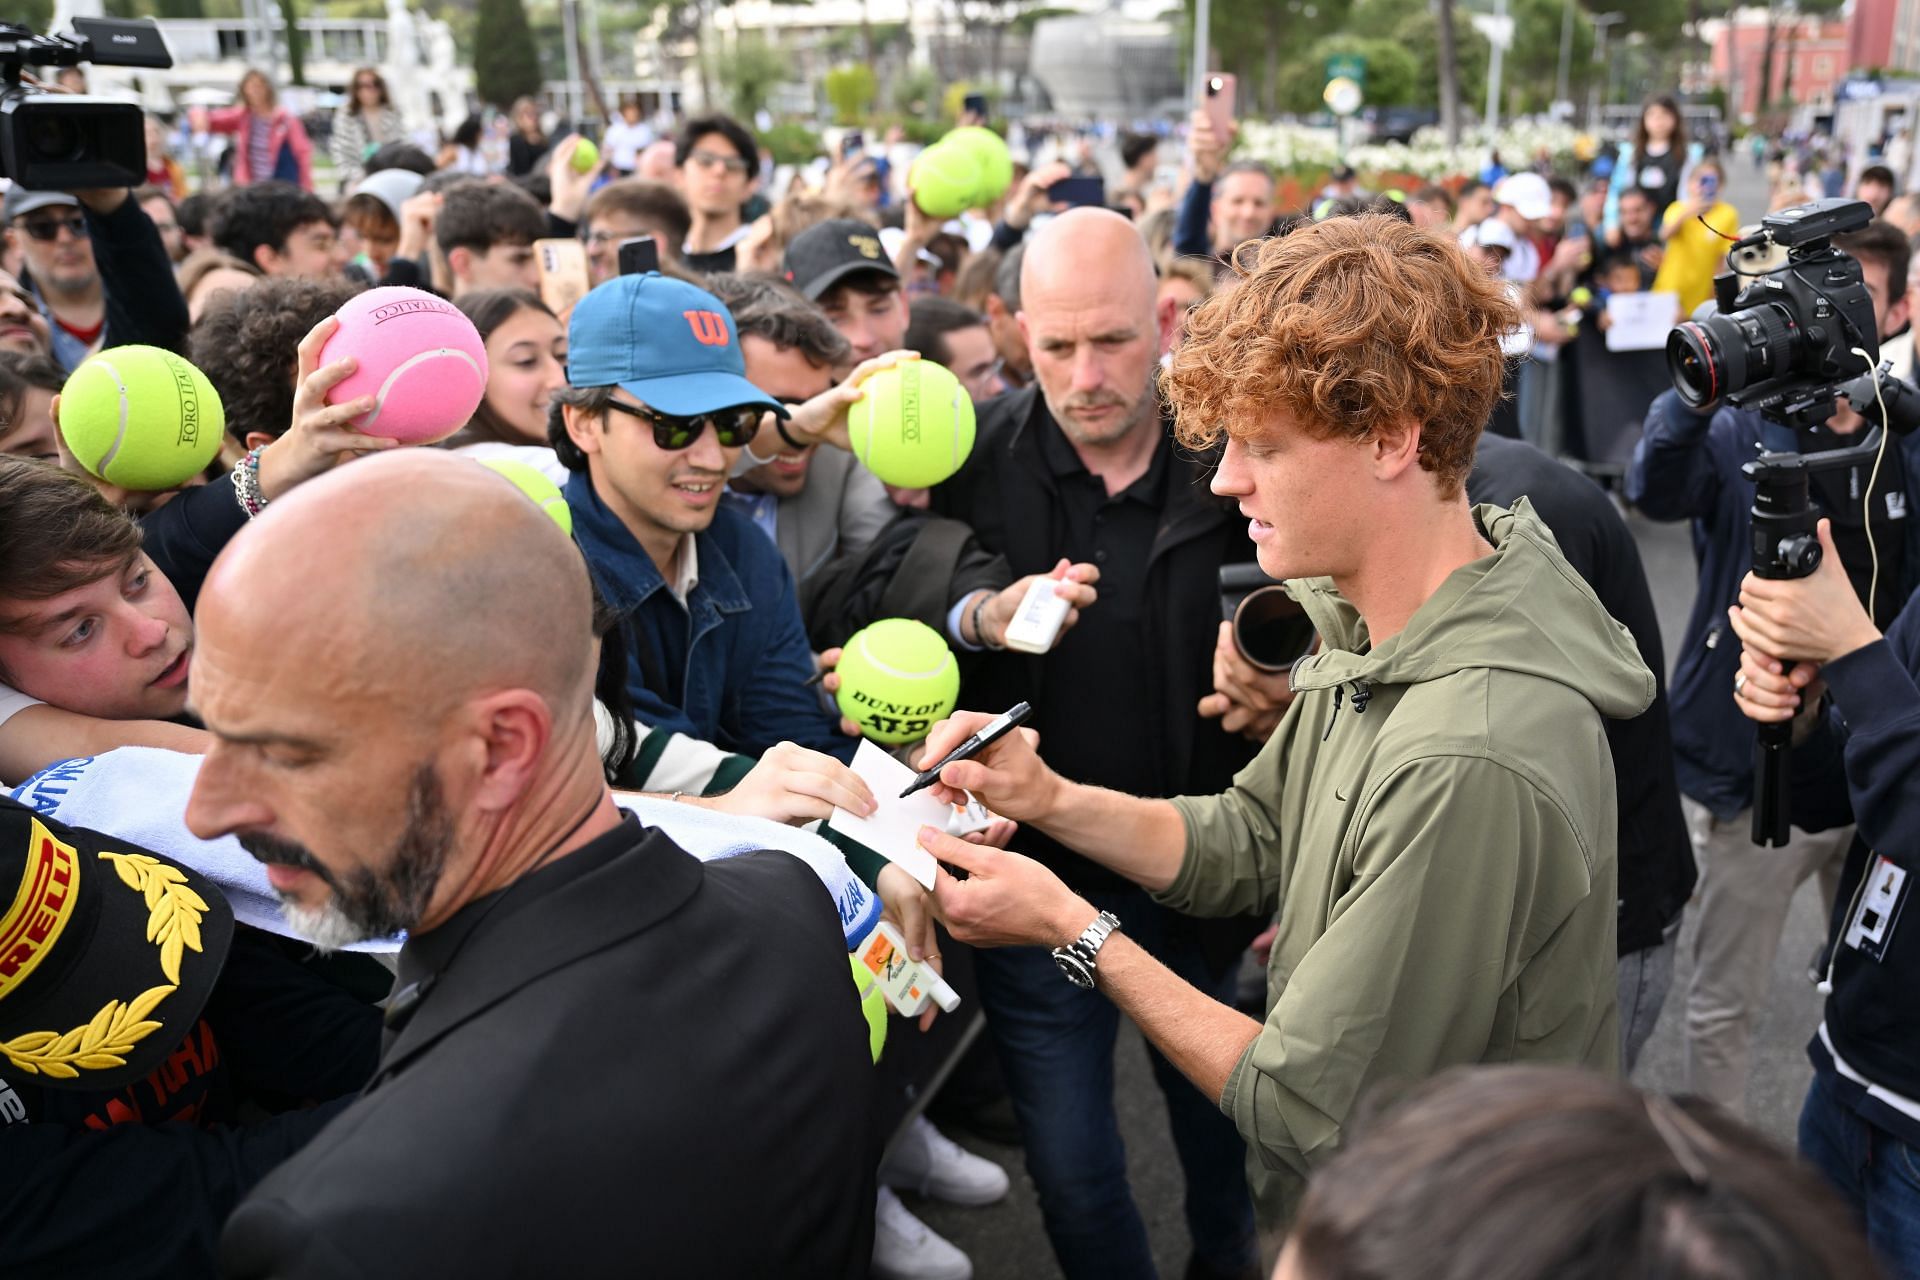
pixel 1526 192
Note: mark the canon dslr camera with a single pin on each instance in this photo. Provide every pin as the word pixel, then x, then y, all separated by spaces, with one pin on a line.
pixel 1784 343
pixel 67 141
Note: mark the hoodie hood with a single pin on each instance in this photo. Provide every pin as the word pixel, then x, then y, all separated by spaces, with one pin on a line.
pixel 1522 609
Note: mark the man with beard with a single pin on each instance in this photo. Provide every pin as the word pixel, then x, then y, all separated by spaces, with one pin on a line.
pixel 592 1031
pixel 1081 466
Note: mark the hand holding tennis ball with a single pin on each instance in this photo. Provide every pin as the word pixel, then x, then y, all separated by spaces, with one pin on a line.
pixel 823 419
pixel 321 435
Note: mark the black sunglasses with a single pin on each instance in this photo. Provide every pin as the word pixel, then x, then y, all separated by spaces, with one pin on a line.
pixel 47 230
pixel 671 431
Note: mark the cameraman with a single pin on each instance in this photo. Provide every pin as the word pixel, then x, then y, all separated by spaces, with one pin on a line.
pixel 1856 758
pixel 1687 466
pixel 98 269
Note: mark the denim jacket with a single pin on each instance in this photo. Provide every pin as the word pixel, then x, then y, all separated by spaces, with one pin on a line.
pixel 730 665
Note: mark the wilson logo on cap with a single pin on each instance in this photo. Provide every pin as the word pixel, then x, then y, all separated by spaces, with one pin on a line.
pixel 709 327
pixel 865 246
pixel 40 909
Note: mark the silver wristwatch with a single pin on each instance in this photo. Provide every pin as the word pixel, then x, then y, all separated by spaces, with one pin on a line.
pixel 1079 958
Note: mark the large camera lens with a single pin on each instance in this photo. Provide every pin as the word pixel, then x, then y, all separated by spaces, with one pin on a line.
pixel 54 139
pixel 1726 353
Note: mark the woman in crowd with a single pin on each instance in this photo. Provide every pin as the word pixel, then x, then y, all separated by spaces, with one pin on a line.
pixel 1697 232
pixel 364 123
pixel 529 141
pixel 268 140
pixel 1526 1173
pixel 463 152
pixel 526 364
pixel 1656 158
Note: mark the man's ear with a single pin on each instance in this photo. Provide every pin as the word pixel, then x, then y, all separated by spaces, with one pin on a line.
pixel 511 732
pixel 1166 318
pixel 460 262
pixel 580 428
pixel 267 258
pixel 1396 448
pixel 259 439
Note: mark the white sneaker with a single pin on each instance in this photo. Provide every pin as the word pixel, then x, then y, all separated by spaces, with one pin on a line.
pixel 929 1163
pixel 905 1248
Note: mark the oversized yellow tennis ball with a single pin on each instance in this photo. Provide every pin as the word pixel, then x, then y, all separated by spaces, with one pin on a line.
pixel 873 1004
pixel 914 426
pixel 944 180
pixel 990 153
pixel 141 418
pixel 897 680
pixel 545 493
pixel 585 156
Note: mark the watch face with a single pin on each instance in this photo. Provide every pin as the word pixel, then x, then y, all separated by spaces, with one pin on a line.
pixel 1074 967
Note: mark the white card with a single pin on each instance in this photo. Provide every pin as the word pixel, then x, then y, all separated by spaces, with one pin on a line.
pixel 1640 321
pixel 893 831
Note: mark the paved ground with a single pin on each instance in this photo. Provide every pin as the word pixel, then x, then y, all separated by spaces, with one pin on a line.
pixel 1006 1242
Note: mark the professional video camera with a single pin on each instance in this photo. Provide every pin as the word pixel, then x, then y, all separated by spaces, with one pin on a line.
pixel 71 142
pixel 1789 345
pixel 1782 345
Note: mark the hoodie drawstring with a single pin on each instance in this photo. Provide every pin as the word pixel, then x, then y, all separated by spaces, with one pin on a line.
pixel 1362 695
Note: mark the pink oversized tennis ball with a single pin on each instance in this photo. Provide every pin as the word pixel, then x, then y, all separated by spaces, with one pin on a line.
pixel 420 358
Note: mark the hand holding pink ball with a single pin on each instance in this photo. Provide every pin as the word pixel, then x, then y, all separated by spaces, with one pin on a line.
pixel 419 357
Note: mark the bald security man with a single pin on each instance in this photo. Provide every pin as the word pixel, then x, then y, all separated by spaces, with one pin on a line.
pixel 603 1058
pixel 1081 464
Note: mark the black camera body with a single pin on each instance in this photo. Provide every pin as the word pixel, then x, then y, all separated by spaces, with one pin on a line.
pixel 71 142
pixel 1784 343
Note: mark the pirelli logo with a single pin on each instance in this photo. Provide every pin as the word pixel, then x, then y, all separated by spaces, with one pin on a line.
pixel 40 909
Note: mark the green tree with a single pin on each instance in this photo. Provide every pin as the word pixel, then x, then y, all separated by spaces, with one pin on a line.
pixel 851 91
pixel 296 42
pixel 1394 76
pixel 506 62
pixel 748 73
pixel 179 9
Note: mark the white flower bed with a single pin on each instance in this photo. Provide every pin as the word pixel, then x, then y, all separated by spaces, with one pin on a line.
pixel 1297 147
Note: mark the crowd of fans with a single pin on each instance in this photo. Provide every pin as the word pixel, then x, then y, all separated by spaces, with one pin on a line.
pixel 354 701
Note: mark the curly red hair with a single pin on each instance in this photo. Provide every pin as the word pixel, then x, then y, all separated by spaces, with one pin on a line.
pixel 1345 325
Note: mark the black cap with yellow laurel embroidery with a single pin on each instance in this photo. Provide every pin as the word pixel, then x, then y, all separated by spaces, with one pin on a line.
pixel 107 953
pixel 828 252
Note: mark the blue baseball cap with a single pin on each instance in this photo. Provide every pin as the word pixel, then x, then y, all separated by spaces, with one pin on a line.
pixel 669 344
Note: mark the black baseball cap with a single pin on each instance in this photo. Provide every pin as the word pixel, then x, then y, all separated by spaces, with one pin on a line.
pixel 107 953
pixel 828 252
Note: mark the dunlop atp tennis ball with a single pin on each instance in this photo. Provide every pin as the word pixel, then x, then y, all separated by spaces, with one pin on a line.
pixel 897 680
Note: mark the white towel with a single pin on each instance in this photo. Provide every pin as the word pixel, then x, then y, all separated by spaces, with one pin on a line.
pixel 139 794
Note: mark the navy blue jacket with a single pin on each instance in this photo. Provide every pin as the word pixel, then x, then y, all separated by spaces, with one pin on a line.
pixel 730 666
pixel 1863 765
pixel 1687 467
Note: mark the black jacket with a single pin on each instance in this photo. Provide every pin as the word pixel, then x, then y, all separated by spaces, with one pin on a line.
pixel 1656 857
pixel 136 1182
pixel 185 534
pixel 1006 492
pixel 627 1063
pixel 1863 765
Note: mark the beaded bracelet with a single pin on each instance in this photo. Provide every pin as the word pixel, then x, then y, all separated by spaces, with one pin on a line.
pixel 246 483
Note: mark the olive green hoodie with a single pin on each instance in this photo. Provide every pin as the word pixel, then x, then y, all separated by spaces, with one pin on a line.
pixel 1433 821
